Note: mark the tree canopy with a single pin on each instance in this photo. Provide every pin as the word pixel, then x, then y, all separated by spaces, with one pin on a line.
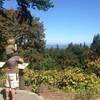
pixel 30 39
pixel 28 30
pixel 39 4
pixel 95 47
pixel 23 5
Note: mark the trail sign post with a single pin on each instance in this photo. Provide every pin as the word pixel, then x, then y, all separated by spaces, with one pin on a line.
pixel 21 80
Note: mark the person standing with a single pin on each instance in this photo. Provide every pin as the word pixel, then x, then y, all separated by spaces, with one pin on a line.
pixel 12 81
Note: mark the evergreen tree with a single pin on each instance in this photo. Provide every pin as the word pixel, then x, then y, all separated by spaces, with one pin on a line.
pixel 95 47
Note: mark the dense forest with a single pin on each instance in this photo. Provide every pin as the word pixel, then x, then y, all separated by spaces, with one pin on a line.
pixel 75 68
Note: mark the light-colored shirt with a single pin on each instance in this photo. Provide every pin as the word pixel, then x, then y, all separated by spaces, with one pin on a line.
pixel 10 49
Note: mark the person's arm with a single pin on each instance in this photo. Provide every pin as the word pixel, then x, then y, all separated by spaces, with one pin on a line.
pixel 21 60
pixel 15 47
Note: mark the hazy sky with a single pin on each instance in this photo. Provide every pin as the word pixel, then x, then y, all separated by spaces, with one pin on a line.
pixel 74 21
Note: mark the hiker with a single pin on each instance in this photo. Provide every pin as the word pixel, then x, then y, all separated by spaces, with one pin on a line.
pixel 11 48
pixel 12 81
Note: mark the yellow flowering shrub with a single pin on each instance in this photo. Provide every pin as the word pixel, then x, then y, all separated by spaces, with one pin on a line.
pixel 70 79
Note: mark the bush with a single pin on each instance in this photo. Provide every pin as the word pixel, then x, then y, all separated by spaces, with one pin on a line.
pixel 2 77
pixel 70 80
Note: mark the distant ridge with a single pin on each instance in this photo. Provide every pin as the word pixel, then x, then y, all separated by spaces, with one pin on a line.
pixel 56 45
pixel 63 45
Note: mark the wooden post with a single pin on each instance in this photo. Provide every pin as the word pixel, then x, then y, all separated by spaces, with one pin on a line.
pixel 21 79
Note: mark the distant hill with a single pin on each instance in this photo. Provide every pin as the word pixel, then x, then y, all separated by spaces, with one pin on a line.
pixel 55 45
pixel 61 45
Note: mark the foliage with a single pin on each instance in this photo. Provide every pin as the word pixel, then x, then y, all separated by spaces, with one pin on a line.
pixel 94 66
pixel 2 77
pixel 77 81
pixel 75 55
pixel 80 51
pixel 23 5
pixel 30 39
pixel 39 4
pixel 95 47
pixel 70 79
pixel 48 63
pixel 93 62
pixel 27 29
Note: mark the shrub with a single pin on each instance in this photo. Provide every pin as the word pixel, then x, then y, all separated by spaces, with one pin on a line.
pixel 70 79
